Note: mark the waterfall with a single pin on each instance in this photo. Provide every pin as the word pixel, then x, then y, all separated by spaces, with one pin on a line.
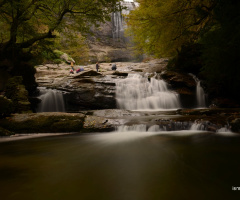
pixel 118 22
pixel 200 94
pixel 138 93
pixel 118 28
pixel 51 101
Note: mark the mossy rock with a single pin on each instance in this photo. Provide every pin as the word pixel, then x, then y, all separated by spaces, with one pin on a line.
pixel 18 94
pixel 6 106
pixel 97 124
pixel 5 132
pixel 43 123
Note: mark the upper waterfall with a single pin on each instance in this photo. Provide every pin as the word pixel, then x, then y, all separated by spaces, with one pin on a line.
pixel 140 93
pixel 51 101
pixel 118 22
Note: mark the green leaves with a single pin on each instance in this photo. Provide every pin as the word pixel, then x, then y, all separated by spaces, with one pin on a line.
pixel 162 27
pixel 28 21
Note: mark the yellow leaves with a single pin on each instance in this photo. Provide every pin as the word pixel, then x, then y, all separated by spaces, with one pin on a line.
pixel 161 27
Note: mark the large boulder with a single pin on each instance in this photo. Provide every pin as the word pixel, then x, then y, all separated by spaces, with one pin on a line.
pixel 184 84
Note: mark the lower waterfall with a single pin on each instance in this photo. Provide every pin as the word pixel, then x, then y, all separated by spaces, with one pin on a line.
pixel 137 92
pixel 51 101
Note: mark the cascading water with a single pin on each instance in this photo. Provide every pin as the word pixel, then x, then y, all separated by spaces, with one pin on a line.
pixel 51 101
pixel 173 126
pixel 118 29
pixel 200 94
pixel 137 93
pixel 118 20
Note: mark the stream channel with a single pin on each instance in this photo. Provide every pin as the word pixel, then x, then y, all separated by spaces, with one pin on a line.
pixel 136 162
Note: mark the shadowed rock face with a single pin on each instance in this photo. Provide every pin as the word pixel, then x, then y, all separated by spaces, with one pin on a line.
pixel 184 84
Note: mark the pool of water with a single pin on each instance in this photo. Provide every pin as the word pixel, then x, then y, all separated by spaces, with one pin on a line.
pixel 121 166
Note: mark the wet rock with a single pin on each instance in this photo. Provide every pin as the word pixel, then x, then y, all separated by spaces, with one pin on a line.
pixel 120 73
pixel 235 125
pixel 88 73
pixel 179 80
pixel 184 85
pixel 97 124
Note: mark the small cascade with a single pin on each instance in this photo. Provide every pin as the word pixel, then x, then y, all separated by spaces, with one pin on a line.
pixel 171 126
pixel 200 94
pixel 140 93
pixel 135 128
pixel 166 126
pixel 198 126
pixel 51 101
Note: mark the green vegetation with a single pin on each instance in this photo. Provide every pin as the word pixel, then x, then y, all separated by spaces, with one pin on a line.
pixel 31 29
pixel 202 37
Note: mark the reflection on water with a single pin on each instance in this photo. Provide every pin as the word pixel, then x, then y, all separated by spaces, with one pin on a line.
pixel 121 166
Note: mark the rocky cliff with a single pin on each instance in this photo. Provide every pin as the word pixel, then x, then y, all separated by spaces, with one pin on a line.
pixel 109 43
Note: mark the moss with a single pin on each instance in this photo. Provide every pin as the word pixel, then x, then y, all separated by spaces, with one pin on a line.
pixel 58 53
pixel 16 91
pixel 5 132
pixel 6 106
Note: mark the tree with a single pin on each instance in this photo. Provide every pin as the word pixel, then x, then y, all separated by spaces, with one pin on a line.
pixel 29 24
pixel 221 51
pixel 162 27
pixel 199 34
pixel 29 21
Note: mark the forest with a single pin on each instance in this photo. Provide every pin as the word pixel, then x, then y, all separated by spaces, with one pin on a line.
pixel 201 37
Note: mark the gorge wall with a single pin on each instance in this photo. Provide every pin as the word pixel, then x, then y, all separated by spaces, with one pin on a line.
pixel 109 44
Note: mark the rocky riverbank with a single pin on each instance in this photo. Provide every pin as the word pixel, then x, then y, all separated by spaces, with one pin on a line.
pixel 109 120
pixel 90 100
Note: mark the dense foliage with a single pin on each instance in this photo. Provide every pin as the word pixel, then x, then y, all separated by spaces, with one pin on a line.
pixel 26 22
pixel 33 28
pixel 200 35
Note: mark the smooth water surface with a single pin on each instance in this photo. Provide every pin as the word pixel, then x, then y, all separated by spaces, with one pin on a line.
pixel 121 166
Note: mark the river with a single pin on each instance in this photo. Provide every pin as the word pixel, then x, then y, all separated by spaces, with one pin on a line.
pixel 121 166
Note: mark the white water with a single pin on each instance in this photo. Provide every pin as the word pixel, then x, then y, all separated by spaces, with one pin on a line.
pixel 118 21
pixel 118 27
pixel 200 94
pixel 198 126
pixel 51 101
pixel 137 93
